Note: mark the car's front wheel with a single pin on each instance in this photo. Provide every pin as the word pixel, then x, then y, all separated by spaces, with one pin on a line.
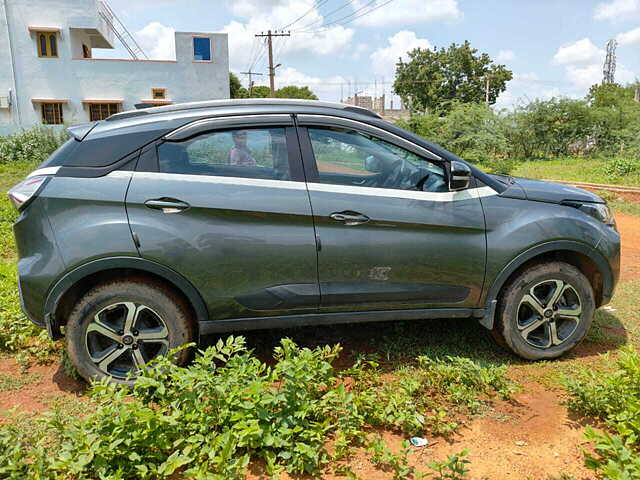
pixel 119 326
pixel 545 311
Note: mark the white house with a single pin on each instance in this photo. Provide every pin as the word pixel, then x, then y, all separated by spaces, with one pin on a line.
pixel 48 75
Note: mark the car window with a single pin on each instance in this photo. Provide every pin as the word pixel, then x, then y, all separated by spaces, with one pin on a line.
pixel 248 153
pixel 351 157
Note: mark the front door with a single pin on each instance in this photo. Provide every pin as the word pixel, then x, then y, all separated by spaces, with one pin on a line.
pixel 391 234
pixel 228 209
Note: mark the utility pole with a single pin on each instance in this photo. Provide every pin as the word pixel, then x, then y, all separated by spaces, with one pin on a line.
pixel 272 69
pixel 251 81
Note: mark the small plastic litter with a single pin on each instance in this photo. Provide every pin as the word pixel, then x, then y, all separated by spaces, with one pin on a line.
pixel 419 441
pixel 609 308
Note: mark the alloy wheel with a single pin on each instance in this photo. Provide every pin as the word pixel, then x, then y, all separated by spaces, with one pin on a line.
pixel 549 313
pixel 124 336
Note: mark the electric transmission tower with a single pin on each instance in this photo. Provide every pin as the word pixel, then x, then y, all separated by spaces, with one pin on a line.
pixel 609 67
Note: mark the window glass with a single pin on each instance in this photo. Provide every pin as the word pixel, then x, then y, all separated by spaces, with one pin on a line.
pixel 100 111
pixel 53 44
pixel 42 41
pixel 52 114
pixel 350 157
pixel 47 44
pixel 248 153
pixel 201 48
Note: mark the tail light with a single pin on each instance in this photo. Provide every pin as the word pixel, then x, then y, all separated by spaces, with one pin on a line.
pixel 24 192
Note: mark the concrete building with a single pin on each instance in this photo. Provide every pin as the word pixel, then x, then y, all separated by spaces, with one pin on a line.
pixel 48 74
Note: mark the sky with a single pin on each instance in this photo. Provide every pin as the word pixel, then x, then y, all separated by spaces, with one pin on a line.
pixel 338 47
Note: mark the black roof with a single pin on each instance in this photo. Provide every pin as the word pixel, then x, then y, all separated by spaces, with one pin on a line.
pixel 248 102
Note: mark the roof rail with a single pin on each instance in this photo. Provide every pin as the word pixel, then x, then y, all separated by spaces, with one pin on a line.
pixel 240 102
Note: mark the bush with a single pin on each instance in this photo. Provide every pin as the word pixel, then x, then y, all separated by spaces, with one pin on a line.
pixel 615 399
pixel 210 420
pixel 33 145
pixel 620 167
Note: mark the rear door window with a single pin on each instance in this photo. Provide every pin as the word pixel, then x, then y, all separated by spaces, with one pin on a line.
pixel 247 152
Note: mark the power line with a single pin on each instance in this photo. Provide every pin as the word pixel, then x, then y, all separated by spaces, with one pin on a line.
pixel 326 15
pixel 261 53
pixel 316 4
pixel 352 16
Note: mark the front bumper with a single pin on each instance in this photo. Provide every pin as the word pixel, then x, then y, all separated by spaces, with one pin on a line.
pixel 609 247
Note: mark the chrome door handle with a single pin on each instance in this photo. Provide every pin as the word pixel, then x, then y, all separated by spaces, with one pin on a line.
pixel 350 218
pixel 167 205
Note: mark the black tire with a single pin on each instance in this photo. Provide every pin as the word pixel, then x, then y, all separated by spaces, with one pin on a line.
pixel 161 321
pixel 523 323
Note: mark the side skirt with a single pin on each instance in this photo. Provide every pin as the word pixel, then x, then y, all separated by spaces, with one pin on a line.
pixel 307 319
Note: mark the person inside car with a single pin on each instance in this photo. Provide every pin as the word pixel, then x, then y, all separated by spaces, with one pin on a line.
pixel 240 153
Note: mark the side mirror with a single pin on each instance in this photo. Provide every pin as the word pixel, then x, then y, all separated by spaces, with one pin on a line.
pixel 460 176
pixel 372 164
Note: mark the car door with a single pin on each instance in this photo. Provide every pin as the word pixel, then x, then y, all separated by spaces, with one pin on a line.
pixel 391 234
pixel 223 202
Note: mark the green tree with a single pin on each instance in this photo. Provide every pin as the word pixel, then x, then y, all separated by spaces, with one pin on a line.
pixel 296 92
pixel 432 79
pixel 236 90
pixel 260 91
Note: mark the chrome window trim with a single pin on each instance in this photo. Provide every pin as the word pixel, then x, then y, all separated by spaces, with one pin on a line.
pixel 455 196
pixel 263 118
pixel 424 152
pixel 44 171
pixel 249 182
pixel 471 193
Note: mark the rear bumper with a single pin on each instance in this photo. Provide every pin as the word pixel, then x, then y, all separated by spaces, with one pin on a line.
pixel 39 262
pixel 37 320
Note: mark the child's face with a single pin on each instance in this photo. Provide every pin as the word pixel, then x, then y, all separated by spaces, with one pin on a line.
pixel 240 139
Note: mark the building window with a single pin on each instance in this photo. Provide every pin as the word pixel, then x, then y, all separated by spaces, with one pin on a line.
pixel 47 44
pixel 100 111
pixel 86 51
pixel 52 114
pixel 158 93
pixel 202 49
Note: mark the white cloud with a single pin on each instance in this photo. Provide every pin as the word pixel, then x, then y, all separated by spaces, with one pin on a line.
pixel 405 12
pixel 617 10
pixel 384 59
pixel 258 16
pixel 505 56
pixel 632 37
pixel 525 87
pixel 580 52
pixel 326 88
pixel 157 41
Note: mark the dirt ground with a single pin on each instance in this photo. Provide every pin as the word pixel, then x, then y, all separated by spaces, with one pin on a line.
pixel 531 437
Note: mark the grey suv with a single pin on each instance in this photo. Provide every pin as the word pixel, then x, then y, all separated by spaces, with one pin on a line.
pixel 157 226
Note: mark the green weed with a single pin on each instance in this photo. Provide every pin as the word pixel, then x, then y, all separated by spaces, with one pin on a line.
pixel 613 398
pixel 211 419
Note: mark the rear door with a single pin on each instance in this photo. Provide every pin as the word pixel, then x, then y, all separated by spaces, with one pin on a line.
pixel 224 203
pixel 391 234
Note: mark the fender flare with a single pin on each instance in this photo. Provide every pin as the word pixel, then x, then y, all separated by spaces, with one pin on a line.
pixel 491 300
pixel 77 274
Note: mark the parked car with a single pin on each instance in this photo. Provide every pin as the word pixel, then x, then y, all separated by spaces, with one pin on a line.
pixel 158 226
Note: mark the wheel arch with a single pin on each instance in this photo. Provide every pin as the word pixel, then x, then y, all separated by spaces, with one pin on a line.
pixel 584 257
pixel 68 290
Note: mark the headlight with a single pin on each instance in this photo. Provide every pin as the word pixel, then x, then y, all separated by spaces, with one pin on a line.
pixel 599 211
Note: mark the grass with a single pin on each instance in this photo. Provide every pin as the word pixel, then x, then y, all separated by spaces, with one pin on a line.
pixel 11 382
pixel 590 170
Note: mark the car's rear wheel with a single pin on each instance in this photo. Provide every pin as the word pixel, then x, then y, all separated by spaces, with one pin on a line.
pixel 545 311
pixel 118 327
